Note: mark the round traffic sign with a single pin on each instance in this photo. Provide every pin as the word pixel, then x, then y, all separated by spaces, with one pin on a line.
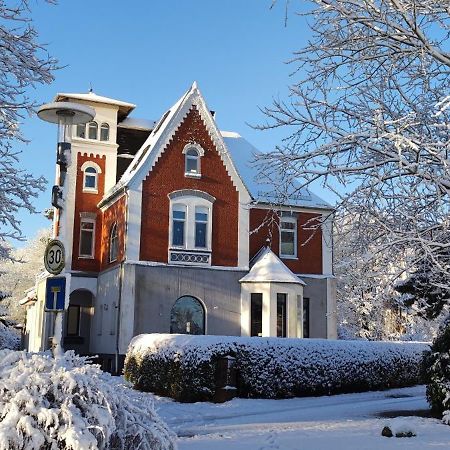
pixel 54 257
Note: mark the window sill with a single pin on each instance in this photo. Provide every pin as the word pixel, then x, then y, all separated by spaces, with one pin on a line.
pixel 85 257
pixel 292 258
pixel 90 191
pixel 192 175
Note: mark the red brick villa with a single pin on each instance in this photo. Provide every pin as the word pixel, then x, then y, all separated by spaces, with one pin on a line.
pixel 167 234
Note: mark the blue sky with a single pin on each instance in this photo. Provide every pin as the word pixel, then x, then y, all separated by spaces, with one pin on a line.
pixel 149 52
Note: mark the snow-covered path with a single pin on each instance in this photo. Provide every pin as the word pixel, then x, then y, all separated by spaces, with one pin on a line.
pixel 351 421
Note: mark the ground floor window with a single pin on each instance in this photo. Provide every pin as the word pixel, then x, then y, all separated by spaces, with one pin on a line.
pixel 306 317
pixel 187 316
pixel 256 314
pixel 281 315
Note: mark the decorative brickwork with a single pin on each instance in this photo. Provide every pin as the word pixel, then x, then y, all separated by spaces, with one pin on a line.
pixel 168 176
pixel 86 202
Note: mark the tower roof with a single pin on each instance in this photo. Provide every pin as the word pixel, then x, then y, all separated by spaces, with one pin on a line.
pixel 268 268
pixel 124 107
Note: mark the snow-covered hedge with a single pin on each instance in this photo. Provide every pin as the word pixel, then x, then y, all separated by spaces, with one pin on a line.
pixel 437 373
pixel 69 404
pixel 183 367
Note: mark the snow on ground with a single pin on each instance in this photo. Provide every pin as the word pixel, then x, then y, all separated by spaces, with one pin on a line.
pixel 350 421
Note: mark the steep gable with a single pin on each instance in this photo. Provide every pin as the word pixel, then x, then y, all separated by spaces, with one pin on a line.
pixel 168 176
pixel 157 142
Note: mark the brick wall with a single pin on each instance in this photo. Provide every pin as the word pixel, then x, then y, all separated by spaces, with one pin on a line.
pixel 87 202
pixel 264 224
pixel 168 176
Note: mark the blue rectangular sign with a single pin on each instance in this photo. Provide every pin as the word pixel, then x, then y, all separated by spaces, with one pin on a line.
pixel 55 294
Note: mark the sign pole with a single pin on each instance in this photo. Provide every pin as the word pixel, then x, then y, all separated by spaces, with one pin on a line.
pixel 65 114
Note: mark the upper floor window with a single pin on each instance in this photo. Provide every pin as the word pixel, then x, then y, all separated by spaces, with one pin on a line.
pixel 201 226
pixel 87 234
pixel 288 237
pixel 113 243
pixel 92 130
pixel 81 130
pixel 104 132
pixel 178 225
pixel 192 155
pixel 90 171
pixel 191 225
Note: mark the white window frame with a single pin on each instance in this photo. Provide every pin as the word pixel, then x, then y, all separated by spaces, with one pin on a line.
pixel 106 126
pixel 75 128
pixel 92 255
pixel 88 129
pixel 95 166
pixel 200 152
pixel 190 202
pixel 172 207
pixel 289 219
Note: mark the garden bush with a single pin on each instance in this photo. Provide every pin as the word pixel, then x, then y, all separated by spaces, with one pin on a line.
pixel 183 367
pixel 436 369
pixel 48 404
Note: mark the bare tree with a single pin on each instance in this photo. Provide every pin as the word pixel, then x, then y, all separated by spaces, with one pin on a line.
pixel 24 64
pixel 368 118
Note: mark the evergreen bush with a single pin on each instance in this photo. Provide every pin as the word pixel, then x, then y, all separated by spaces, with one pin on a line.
pixel 183 367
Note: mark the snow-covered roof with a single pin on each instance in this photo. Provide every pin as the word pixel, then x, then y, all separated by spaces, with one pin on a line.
pixel 269 268
pixel 243 153
pixel 92 97
pixel 135 123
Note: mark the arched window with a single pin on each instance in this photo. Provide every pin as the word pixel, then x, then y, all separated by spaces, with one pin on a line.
pixel 93 130
pixel 187 316
pixel 81 130
pixel 113 243
pixel 104 132
pixel 90 176
pixel 192 154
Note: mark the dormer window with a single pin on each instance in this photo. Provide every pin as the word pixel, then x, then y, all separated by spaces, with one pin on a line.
pixel 92 130
pixel 104 132
pixel 192 155
pixel 90 176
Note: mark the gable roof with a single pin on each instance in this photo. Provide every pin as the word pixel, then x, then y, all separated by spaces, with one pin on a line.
pixel 263 190
pixel 268 268
pixel 159 138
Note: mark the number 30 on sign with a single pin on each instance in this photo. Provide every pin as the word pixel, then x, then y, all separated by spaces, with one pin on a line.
pixel 54 257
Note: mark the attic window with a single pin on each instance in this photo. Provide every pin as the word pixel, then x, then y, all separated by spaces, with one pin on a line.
pixel 192 153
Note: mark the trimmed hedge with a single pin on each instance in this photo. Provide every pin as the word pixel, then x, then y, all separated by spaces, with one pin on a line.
pixel 183 366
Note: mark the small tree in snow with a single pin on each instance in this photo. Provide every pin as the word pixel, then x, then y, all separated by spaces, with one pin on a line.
pixel 368 118
pixel 24 64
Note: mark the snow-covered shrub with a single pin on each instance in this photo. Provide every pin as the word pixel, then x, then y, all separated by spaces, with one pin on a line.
pixel 9 338
pixel 436 367
pixel 183 366
pixel 70 404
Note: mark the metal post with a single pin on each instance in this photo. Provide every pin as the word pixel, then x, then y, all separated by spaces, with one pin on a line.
pixel 65 114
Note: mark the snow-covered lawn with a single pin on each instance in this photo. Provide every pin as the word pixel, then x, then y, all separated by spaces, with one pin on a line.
pixel 351 421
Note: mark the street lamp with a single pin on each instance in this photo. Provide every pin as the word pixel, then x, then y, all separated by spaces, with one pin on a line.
pixel 65 114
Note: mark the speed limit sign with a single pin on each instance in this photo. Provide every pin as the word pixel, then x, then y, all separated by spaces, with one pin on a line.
pixel 54 257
